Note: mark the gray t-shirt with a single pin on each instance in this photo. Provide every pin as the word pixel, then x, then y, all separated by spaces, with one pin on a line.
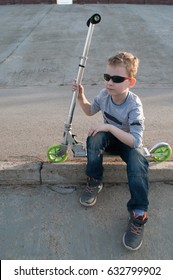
pixel 127 116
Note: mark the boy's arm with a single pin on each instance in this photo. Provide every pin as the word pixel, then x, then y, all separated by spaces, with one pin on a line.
pixel 85 104
pixel 124 137
pixel 83 101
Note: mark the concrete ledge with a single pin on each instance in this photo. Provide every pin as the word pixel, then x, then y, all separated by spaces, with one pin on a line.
pixel 20 173
pixel 72 173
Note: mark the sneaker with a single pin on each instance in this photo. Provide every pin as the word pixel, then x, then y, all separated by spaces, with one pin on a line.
pixel 89 195
pixel 133 237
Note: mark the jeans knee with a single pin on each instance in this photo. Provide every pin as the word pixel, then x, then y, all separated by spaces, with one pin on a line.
pixel 97 141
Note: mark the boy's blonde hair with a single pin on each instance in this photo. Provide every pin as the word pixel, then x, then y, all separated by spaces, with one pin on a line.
pixel 130 62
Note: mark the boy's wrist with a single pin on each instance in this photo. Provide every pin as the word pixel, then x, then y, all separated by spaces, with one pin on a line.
pixel 109 127
pixel 81 94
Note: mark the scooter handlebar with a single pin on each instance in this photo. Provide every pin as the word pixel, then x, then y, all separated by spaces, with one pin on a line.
pixel 96 18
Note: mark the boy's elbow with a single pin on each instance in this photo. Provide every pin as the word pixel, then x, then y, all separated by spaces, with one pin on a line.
pixel 137 143
pixel 89 113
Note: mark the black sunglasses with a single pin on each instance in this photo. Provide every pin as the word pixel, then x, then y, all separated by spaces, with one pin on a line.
pixel 115 79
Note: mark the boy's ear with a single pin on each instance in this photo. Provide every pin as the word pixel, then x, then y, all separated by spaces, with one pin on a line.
pixel 132 82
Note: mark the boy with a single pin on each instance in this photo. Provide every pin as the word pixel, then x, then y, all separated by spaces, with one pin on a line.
pixel 121 133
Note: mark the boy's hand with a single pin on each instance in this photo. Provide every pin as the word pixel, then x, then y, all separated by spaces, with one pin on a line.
pixel 78 88
pixel 103 127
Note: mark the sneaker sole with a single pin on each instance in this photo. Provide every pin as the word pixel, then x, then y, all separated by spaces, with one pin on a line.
pixel 93 203
pixel 88 204
pixel 128 247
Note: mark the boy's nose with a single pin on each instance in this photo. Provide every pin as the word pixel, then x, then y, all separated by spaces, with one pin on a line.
pixel 110 82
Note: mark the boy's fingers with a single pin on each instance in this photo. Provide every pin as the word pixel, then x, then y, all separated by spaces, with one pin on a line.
pixel 92 131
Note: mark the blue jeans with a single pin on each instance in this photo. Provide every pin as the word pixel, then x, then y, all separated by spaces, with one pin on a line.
pixel 137 166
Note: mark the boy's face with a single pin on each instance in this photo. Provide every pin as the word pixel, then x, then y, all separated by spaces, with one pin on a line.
pixel 118 89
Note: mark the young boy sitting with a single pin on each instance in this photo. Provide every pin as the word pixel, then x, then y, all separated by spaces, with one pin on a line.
pixel 121 134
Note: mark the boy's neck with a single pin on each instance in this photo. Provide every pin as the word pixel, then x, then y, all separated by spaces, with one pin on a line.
pixel 119 99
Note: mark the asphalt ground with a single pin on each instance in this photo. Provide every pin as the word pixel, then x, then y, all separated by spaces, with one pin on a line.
pixel 40 47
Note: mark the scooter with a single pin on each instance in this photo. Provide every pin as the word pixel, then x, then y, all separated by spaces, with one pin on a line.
pixel 59 152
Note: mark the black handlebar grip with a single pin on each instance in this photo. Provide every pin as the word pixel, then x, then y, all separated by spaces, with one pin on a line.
pixel 96 18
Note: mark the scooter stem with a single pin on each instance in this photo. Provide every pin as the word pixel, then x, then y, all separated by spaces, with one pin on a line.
pixel 91 23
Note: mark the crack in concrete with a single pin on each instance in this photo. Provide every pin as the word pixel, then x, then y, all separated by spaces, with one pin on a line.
pixel 27 35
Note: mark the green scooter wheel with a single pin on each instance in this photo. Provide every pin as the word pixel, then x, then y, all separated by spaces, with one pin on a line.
pixel 52 154
pixel 161 153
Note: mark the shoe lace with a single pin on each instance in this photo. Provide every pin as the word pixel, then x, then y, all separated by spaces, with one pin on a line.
pixel 89 189
pixel 135 228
